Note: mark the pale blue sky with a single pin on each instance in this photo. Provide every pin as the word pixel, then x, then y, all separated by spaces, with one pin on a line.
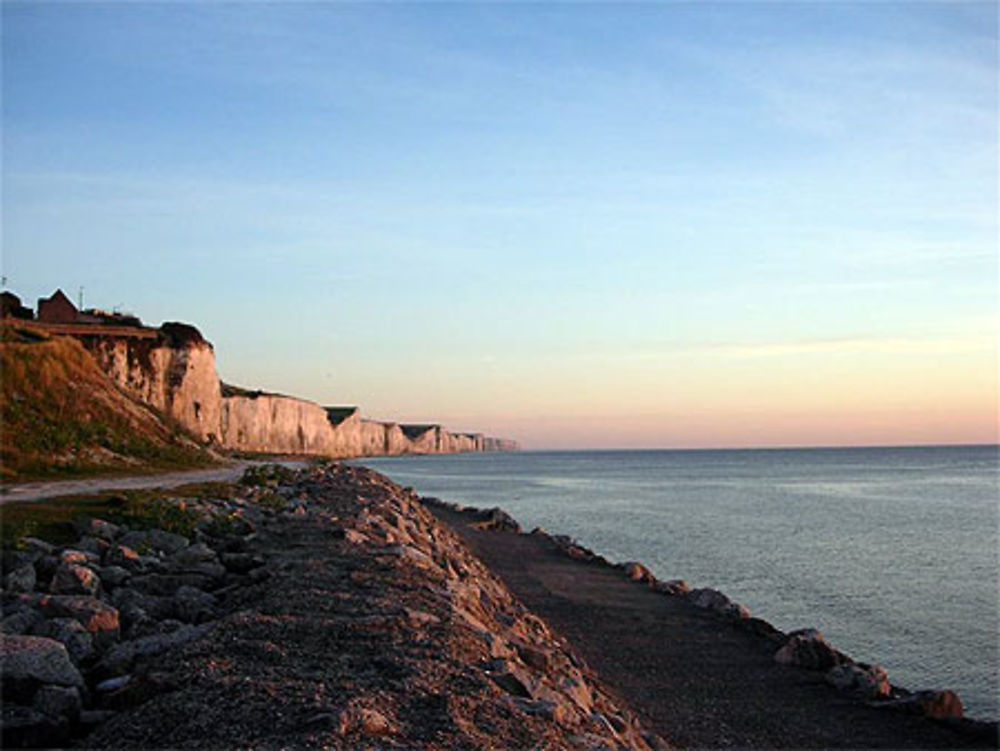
pixel 505 215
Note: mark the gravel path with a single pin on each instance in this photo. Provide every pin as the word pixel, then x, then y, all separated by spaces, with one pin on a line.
pixel 694 678
pixel 37 491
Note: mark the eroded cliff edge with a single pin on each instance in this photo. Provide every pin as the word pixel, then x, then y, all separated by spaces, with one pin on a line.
pixel 173 369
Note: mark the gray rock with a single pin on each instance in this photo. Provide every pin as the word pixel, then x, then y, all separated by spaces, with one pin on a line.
pixel 637 572
pixel 113 684
pixel 193 605
pixel 113 577
pixel 21 621
pixel 94 545
pixel 193 555
pixel 43 548
pixel 29 661
pixel 71 634
pixel 58 701
pixel 672 587
pixel 97 617
pixel 709 599
pixel 79 557
pixel 98 528
pixel 154 539
pixel 938 705
pixel 21 579
pixel 865 681
pixel 121 657
pixel 74 579
pixel 123 556
pixel 808 649
pixel 242 563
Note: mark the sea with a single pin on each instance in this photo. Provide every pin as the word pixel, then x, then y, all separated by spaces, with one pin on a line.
pixel 892 553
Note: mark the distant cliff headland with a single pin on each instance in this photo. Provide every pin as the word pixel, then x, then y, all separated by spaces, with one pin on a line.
pixel 171 369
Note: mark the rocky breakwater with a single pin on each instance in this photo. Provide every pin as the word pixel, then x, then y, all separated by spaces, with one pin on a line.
pixel 327 608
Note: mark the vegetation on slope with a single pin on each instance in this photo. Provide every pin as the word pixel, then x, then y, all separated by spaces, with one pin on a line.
pixel 60 416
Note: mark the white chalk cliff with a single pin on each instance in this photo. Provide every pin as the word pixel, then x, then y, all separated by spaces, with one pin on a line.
pixel 175 373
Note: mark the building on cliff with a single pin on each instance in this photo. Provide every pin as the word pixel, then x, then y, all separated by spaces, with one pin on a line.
pixel 58 309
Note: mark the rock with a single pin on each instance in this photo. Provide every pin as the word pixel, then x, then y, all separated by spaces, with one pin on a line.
pixel 154 539
pixel 637 572
pixel 94 545
pixel 74 579
pixel 539 659
pixel 938 705
pixel 40 546
pixel 193 555
pixel 193 605
pixel 45 569
pixel 71 634
pixel 21 579
pixel 866 681
pixel 242 563
pixel 123 556
pixel 672 587
pixel 709 599
pixel 808 649
pixel 79 557
pixel 21 621
pixel 97 617
pixel 113 577
pixel 354 537
pixel 112 684
pixel 364 720
pixel 26 662
pixel 120 658
pixel 548 709
pixel 98 528
pixel 58 701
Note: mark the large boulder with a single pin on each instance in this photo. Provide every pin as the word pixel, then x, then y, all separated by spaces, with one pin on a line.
pixel 938 705
pixel 637 572
pixel 74 579
pixel 807 648
pixel 71 634
pixel 156 540
pixel 21 579
pixel 29 662
pixel 865 681
pixel 97 617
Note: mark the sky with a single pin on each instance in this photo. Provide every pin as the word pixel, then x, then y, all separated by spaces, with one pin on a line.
pixel 578 225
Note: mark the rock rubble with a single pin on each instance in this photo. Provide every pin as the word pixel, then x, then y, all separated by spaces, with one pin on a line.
pixel 328 608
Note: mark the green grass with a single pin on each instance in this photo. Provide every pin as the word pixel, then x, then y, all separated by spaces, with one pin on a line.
pixel 52 519
pixel 61 417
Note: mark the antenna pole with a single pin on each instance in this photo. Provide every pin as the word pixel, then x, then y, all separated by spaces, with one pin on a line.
pixel 81 297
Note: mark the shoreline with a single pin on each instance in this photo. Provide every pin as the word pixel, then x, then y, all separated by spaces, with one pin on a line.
pixel 805 650
pixel 332 607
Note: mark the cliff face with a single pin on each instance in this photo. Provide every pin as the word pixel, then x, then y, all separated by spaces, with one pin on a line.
pixel 173 370
pixel 176 375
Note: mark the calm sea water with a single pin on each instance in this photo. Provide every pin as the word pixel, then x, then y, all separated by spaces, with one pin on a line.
pixel 891 553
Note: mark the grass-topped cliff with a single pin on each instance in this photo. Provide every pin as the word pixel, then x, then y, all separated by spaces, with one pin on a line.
pixel 60 415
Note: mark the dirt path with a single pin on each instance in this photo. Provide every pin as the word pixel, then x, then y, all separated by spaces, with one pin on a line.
pixel 37 491
pixel 696 679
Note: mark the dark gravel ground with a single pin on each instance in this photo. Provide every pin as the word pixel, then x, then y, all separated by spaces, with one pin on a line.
pixel 693 677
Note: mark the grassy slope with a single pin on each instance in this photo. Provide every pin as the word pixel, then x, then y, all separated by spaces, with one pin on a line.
pixel 61 416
